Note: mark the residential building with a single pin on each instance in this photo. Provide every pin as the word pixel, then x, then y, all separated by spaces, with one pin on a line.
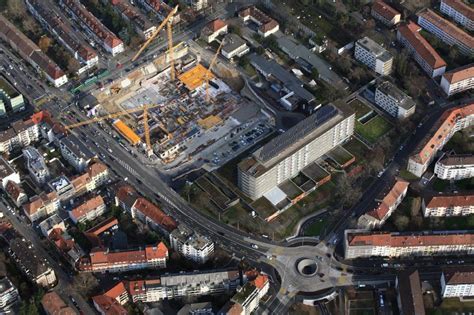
pixel 50 223
pixel 419 48
pixel 31 53
pixel 409 294
pixel 53 304
pixel 197 5
pixel 203 308
pixel 62 31
pixel 247 298
pixel 151 215
pixel 8 295
pixel 213 30
pixel 455 167
pixel 88 210
pixel 448 205
pixel 457 282
pixel 285 83
pixel 133 15
pixel 16 193
pixel 191 245
pixel 385 206
pixel 41 206
pixel 459 11
pixel 361 243
pixel 31 263
pixel 287 154
pixel 394 101
pixel 111 301
pixel 21 133
pixel 458 80
pixel 63 188
pixel 11 101
pixel 66 245
pixel 160 9
pixel 234 46
pixel 105 260
pixel 7 173
pixel 101 34
pixel 125 197
pixel 94 233
pixel 75 152
pixel 373 56
pixel 36 165
pixel 96 175
pixel 385 13
pixel 266 25
pixel 446 31
pixel 175 286
pixel 451 121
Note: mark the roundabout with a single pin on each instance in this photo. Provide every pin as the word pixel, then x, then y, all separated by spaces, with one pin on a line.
pixel 307 267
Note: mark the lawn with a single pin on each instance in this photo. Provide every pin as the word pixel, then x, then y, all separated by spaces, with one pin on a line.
pixel 406 175
pixel 440 185
pixel 357 148
pixel 448 306
pixel 373 129
pixel 315 228
pixel 359 108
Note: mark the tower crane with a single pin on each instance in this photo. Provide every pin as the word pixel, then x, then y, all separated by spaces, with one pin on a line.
pixel 146 128
pixel 168 21
pixel 208 72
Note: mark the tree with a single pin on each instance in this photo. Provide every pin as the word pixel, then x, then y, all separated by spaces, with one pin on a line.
pixel 415 207
pixel 73 65
pixel 453 53
pixel 314 73
pixel 401 222
pixel 44 43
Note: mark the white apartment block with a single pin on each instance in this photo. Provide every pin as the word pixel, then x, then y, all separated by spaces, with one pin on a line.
pixel 36 165
pixel 75 152
pixel 19 135
pixel 458 80
pixel 362 243
pixel 448 205
pixel 373 56
pixel 457 282
pixel 234 46
pixel 247 298
pixel 419 48
pixel 459 11
pixel 451 121
pixel 394 101
pixel 446 31
pixel 286 155
pixel 455 167
pixel 191 245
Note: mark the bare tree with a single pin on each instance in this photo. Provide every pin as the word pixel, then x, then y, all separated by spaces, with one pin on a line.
pixel 44 43
pixel 401 222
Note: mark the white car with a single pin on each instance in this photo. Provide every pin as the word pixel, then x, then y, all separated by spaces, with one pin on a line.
pixel 254 246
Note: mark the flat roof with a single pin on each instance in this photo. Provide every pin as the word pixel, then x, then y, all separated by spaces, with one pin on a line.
pixel 370 45
pixel 402 99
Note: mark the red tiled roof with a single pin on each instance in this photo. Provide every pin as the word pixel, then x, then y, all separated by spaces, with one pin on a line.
pixel 156 252
pixel 108 305
pixel 54 305
pixel 461 7
pixel 214 26
pixel 152 211
pixel 260 281
pixel 37 202
pixel 88 206
pixel 100 256
pixel 116 291
pixel 103 226
pixel 267 23
pixel 389 200
pixel 404 240
pixel 441 201
pixel 420 44
pixel 459 275
pixel 384 10
pixel 136 287
pixel 13 189
pixel 96 169
pixel 127 194
pixel 460 74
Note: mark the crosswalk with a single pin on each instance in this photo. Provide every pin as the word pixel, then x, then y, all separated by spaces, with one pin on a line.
pixel 127 167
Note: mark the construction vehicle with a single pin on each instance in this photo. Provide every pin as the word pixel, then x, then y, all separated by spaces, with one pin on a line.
pixel 144 108
pixel 168 21
pixel 209 73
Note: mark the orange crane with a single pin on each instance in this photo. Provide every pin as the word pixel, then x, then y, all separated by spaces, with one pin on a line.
pixel 168 21
pixel 208 72
pixel 144 108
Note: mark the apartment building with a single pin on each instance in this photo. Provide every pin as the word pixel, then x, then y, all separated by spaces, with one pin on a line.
pixel 373 56
pixel 41 205
pixel 62 31
pixel 197 5
pixel 96 175
pixel 75 152
pixel 31 263
pixel 31 53
pixel 50 223
pixel 213 30
pixel 111 302
pixel 394 101
pixel 448 205
pixel 11 101
pixel 234 46
pixel 21 134
pixel 63 188
pixel 66 245
pixel 459 11
pixel 36 165
pixel 458 80
pixel 266 25
pixel 133 15
pixel 88 211
pixel 151 215
pixel 384 206
pixel 191 245
pixel 361 243
pixel 409 294
pixel 247 297
pixel 419 48
pixel 455 167
pixel 287 154
pixel 105 260
pixel 451 121
pixel 385 13
pixel 93 235
pixel 8 295
pixel 175 286
pixel 53 304
pixel 457 282
pixel 7 173
pixel 446 31
pixel 101 34
pixel 16 193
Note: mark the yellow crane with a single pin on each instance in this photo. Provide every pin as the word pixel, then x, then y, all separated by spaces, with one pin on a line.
pixel 168 21
pixel 144 108
pixel 209 73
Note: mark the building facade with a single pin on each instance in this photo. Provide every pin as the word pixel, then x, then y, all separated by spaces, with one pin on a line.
pixel 36 165
pixel 385 13
pixel 191 245
pixel 266 25
pixel 394 101
pixel 88 211
pixel 373 56
pixel 459 11
pixel 458 80
pixel 286 155
pixel 455 167
pixel 213 30
pixel 75 152
pixel 448 205
pixel 457 282
pixel 7 173
pixel 20 134
pixel 8 295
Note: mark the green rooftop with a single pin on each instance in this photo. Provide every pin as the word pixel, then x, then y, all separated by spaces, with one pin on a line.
pixel 244 293
pixel 7 88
